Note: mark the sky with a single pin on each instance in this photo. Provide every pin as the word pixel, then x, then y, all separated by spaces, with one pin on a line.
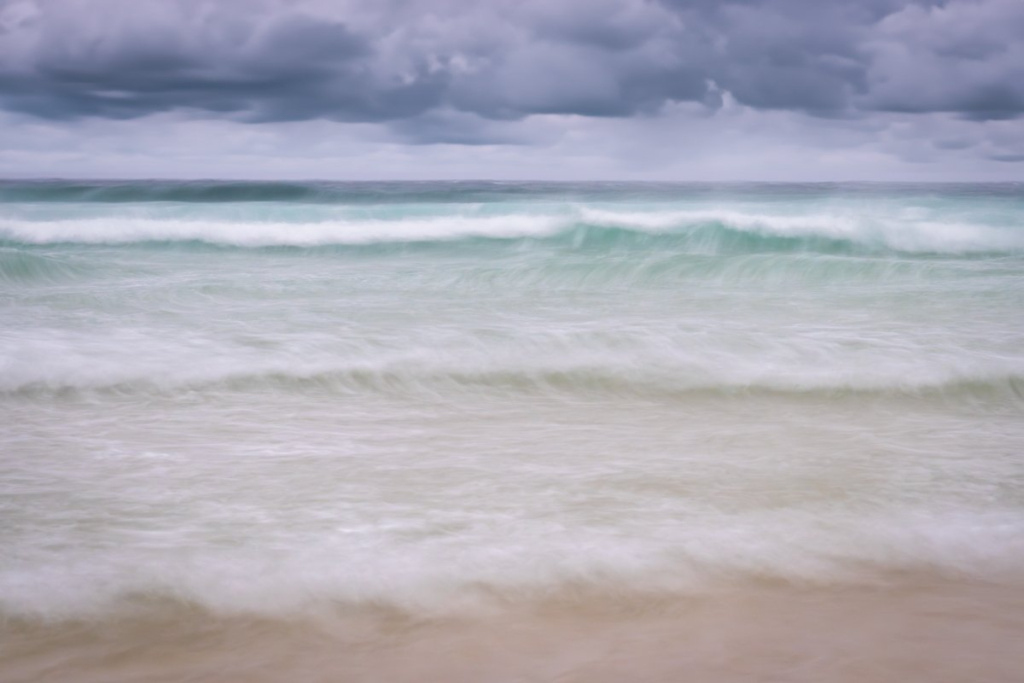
pixel 688 90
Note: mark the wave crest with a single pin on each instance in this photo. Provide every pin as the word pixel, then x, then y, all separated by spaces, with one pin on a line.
pixel 583 228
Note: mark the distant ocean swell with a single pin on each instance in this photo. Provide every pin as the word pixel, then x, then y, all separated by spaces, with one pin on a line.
pixel 463 192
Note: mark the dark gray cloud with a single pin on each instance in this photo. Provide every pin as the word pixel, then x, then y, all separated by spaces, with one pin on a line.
pixel 440 70
pixel 963 57
pixel 275 67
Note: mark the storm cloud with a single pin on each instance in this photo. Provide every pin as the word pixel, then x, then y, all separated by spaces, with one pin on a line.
pixel 418 65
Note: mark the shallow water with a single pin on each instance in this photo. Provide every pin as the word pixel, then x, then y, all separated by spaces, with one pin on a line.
pixel 511 431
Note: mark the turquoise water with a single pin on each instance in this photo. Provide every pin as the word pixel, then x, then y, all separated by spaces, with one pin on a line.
pixel 264 398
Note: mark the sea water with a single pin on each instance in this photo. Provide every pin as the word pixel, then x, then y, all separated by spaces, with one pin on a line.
pixel 458 424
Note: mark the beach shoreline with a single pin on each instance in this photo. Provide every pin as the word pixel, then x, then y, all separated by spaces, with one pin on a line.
pixel 910 629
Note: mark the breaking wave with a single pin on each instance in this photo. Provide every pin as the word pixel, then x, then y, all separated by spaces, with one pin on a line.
pixel 440 573
pixel 708 232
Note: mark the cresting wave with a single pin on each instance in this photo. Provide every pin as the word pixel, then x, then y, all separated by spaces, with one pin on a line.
pixel 697 232
pixel 28 266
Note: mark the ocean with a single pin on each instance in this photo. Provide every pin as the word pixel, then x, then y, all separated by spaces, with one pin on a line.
pixel 482 431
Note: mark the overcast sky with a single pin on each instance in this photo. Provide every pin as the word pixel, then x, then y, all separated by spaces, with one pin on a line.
pixel 513 89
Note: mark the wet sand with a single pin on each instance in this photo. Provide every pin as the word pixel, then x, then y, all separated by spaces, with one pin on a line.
pixel 926 630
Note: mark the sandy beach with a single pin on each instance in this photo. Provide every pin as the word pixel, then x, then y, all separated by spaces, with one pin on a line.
pixel 913 629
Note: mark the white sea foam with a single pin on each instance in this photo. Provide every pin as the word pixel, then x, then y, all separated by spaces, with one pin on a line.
pixel 644 362
pixel 256 233
pixel 899 233
pixel 524 561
